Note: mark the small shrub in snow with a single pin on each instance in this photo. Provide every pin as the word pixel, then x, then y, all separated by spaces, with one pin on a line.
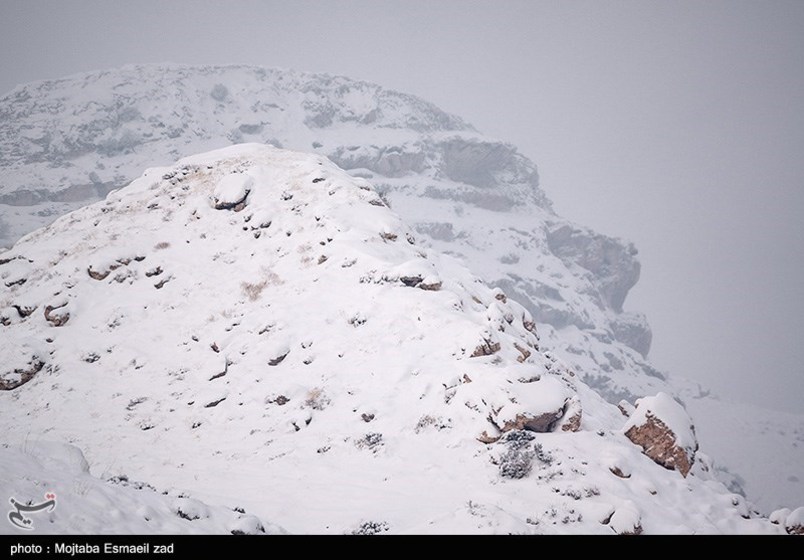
pixel 518 439
pixel 316 399
pixel 189 509
pixel 517 461
pixel 520 452
pixel 372 441
pixel 253 291
pixel 437 423
pixel 542 455
pixel 371 528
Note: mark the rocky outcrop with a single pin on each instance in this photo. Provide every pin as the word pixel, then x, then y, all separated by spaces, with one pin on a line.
pixel 612 262
pixel 21 375
pixel 665 432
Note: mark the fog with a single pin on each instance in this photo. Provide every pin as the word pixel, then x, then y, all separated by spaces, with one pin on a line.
pixel 676 125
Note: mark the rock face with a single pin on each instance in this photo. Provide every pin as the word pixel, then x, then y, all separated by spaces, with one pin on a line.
pixel 665 432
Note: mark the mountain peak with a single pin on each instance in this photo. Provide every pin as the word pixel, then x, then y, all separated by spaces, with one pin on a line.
pixel 66 143
pixel 261 317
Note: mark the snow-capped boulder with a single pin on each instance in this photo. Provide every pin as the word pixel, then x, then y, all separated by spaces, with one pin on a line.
pixel 661 426
pixel 626 520
pixel 794 524
pixel 22 360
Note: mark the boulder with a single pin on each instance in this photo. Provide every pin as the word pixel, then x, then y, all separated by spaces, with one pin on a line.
pixel 661 426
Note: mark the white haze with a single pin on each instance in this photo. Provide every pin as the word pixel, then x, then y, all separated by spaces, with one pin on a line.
pixel 678 126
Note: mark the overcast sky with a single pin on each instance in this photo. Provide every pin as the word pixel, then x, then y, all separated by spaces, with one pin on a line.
pixel 677 125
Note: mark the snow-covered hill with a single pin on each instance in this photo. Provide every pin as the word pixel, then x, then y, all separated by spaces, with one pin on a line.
pixel 255 328
pixel 66 143
pixel 38 472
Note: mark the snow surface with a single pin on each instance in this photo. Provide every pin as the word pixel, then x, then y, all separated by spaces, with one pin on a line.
pixel 296 358
pixel 87 505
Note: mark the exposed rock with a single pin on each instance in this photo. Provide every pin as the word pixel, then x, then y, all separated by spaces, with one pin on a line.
pixel 24 310
pixel 56 319
pixel 794 522
pixel 616 471
pixel 23 376
pixel 486 438
pixel 486 349
pixel 236 206
pixel 231 192
pixel 275 361
pixel 626 408
pixel 626 520
pixel 571 420
pixel 524 351
pixel 663 429
pixel 430 286
pixel 411 281
pixel 633 330
pixel 542 423
pixel 98 275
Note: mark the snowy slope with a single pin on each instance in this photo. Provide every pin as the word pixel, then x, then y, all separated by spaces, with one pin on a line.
pixel 254 327
pixel 42 471
pixel 66 143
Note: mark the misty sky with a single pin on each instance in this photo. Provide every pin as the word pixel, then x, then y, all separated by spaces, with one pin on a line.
pixel 677 125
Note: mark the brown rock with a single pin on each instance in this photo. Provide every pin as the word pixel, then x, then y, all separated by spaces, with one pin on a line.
pixel 626 408
pixel 542 423
pixel 486 349
pixel 56 319
pixel 97 275
pixel 617 472
pixel 524 351
pixel 486 438
pixel 659 443
pixel 25 375
pixel 573 424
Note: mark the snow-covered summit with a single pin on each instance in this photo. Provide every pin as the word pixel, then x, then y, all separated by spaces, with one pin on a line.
pixel 255 326
pixel 66 143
